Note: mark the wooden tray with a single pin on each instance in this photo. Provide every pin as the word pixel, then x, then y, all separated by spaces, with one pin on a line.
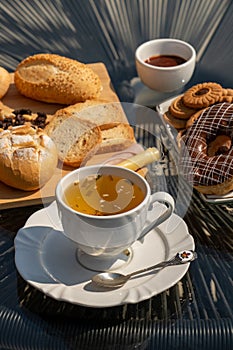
pixel 10 197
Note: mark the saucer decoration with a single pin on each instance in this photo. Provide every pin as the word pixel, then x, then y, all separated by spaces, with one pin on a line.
pixel 186 256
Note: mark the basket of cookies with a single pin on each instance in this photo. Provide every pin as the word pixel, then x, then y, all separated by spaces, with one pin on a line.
pixel 203 120
pixel 183 110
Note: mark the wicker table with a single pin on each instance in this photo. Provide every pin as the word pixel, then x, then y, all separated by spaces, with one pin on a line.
pixel 195 313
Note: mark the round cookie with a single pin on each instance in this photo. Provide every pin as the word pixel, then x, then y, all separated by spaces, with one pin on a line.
pixel 203 95
pixel 5 80
pixel 173 121
pixel 229 92
pixel 179 110
pixel 227 96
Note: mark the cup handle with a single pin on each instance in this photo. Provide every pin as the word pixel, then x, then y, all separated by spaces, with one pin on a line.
pixel 164 198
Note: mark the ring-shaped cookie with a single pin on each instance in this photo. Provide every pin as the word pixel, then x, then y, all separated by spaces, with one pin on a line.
pixel 179 110
pixel 209 174
pixel 173 121
pixel 202 95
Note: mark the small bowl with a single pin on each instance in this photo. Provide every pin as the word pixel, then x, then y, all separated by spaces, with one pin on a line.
pixel 169 78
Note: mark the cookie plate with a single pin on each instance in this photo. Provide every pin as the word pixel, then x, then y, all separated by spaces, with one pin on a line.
pixel 172 133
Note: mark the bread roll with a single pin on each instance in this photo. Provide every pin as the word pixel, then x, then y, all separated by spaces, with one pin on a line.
pixel 28 157
pixel 5 112
pixel 56 79
pixel 5 80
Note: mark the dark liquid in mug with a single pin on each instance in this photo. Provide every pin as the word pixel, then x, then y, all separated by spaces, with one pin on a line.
pixel 165 60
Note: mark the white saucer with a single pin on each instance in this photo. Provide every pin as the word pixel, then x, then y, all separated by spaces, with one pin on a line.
pixel 46 259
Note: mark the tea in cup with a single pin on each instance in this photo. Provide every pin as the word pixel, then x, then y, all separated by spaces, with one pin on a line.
pixel 103 195
pixel 103 208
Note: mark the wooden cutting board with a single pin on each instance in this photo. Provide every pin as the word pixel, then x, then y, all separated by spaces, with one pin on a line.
pixel 10 197
pixel 14 100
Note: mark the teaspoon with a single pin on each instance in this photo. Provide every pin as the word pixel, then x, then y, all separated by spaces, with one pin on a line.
pixel 117 280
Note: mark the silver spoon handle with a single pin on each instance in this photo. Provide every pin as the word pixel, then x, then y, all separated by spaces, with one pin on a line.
pixel 188 256
pixel 153 267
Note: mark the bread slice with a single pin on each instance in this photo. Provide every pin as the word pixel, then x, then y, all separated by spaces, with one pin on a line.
pixel 116 137
pixel 76 140
pixel 98 112
pixel 116 133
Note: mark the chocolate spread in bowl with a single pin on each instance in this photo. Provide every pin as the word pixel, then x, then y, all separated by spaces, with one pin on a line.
pixel 165 60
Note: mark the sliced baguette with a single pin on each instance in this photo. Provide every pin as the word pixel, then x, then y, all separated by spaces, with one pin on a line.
pixel 89 127
pixel 116 133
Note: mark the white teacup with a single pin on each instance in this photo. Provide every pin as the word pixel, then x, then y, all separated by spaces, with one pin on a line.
pixel 165 79
pixel 107 236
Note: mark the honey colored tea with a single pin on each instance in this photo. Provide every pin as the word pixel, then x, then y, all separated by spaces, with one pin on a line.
pixel 103 195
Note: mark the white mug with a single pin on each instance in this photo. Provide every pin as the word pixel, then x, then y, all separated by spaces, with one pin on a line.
pixel 109 235
pixel 165 79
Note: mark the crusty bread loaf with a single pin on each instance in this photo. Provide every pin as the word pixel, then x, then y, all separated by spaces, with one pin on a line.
pixel 5 80
pixel 28 157
pixel 56 79
pixel 76 140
